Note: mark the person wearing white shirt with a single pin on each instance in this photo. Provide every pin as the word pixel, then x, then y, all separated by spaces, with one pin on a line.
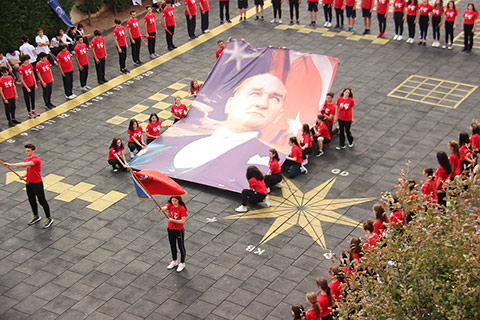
pixel 13 57
pixel 43 46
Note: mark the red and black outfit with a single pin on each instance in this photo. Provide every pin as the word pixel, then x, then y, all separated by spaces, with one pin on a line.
pixel 29 80
pixel 35 187
pixel 149 19
pixel 424 19
pixel 112 160
pixel 437 13
pixel 81 54
pixel 398 11
pixel 137 134
pixel 450 15
pixel 169 16
pixel 275 175
pixel 296 152
pixel 441 193
pixel 65 61
pixel 325 307
pixel 7 84
pixel 43 70
pixel 153 129
pixel 412 9
pixel 132 24
pixel 119 33
pixel 345 117
pixel 469 18
pixel 382 7
pixel 176 232
pixel 192 18
pixel 256 193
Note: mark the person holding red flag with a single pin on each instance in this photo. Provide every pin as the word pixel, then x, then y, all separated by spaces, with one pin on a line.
pixel 81 57
pixel 151 29
pixel 135 37
pixel 121 44
pixel 169 22
pixel 65 65
pixel 177 215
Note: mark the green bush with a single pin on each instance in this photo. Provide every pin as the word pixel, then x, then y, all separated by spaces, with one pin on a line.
pixel 120 5
pixel 25 16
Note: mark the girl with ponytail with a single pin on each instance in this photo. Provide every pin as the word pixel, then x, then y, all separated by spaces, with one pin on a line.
pixel 313 313
pixel 325 299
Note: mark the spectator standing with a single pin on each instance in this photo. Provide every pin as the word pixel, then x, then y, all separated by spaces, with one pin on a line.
pixel 135 37
pixel 204 10
pixel 151 28
pixel 65 65
pixel 9 94
pixel 43 46
pixel 191 16
pixel 45 76
pixel 169 22
pixel 224 7
pixel 29 85
pixel 121 44
pixel 81 56
pixel 277 11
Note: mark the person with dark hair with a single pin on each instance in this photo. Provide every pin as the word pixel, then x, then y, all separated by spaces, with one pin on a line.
pixel 475 137
pixel 169 22
pixel 221 46
pixel 257 191
pixel 437 18
pixel 81 56
pixel 99 55
pixel 465 154
pixel 382 14
pixel 338 277
pixel 345 104
pixel 380 219
pixel 325 299
pixel 153 128
pixel 429 188
pixel 396 216
pixel 177 216
pixel 372 237
pixel 194 88
pixel 151 29
pixel 399 11
pixel 9 94
pixel 329 110
pixel 356 250
pixel 43 46
pixel 178 109
pixel 425 11
pixel 135 137
pixel 116 158
pixel 45 76
pixel 298 312
pixel 274 175
pixel 454 158
pixel 321 134
pixel 451 14
pixel 294 159
pixel 34 186
pixel 204 10
pixel 470 17
pixel 313 313
pixel 81 32
pixel 224 6
pixel 442 176
pixel 29 85
pixel 306 144
pixel 65 65
pixel 135 37
pixel 121 44
pixel 412 18
pixel 13 58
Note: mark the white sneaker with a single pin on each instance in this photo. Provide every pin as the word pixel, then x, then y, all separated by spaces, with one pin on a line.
pixel 329 24
pixel 400 37
pixel 88 88
pixel 268 190
pixel 132 155
pixel 73 96
pixel 444 46
pixel 267 202
pixel 272 21
pixel 173 264
pixel 325 24
pixel 395 37
pixel 303 169
pixel 280 21
pixel 115 170
pixel 241 209
pixel 434 44
pixel 180 267
pixel 305 162
pixel 84 89
pixel 279 185
pixel 450 47
pixel 207 30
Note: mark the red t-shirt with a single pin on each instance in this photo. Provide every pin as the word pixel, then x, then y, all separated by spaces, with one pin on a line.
pixel 132 24
pixel 81 53
pixel 306 140
pixel 345 108
pixel 98 45
pixel 27 73
pixel 329 109
pixel 119 33
pixel 463 152
pixel 396 217
pixel 327 1
pixel 179 111
pixel 274 166
pixel 324 304
pixel 65 61
pixel 311 315
pixel 440 173
pixel 176 213
pixel 150 21
pixel 335 290
pixel 469 17
pixel 154 129
pixel 378 227
pixel 257 185
pixel 350 3
pixel 475 141
pixel 367 4
pixel 323 131
pixel 450 14
pixel 33 172
pixel 296 153
pixel 429 189
pixel 412 9
pixel 112 151
pixel 425 9
pixel 7 84
pixel 169 16
pixel 43 69
pixel 338 4
pixel 399 5
pixel 437 11
pixel 382 6
pixel 455 163
pixel 137 134
pixel 205 5
pixel 191 6
pixel 218 52
pixel 372 241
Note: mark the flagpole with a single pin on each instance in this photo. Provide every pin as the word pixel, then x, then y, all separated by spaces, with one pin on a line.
pixel 151 197
pixel 4 164
pixel 166 29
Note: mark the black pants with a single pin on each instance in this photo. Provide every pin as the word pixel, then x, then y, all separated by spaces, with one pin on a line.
pixel 339 16
pixel 272 179
pixel 83 76
pixel 448 32
pixel 136 49
pixel 191 24
pixel 170 36
pixel 29 97
pixel 224 5
pixel 122 57
pixel 411 26
pixel 254 197
pixel 115 163
pixel 294 5
pixel 36 190
pixel 132 146
pixel 294 168
pixel 441 198
pixel 10 109
pixel 67 79
pixel 100 67
pixel 277 9
pixel 382 22
pixel 398 19
pixel 436 27
pixel 468 36
pixel 177 237
pixel 151 42
pixel 47 94
pixel 150 140
pixel 204 21
pixel 345 129
pixel 327 11
pixel 423 24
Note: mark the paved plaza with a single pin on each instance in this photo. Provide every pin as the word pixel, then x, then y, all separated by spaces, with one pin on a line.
pixel 106 255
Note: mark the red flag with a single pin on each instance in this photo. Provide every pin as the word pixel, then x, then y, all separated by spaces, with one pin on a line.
pixel 155 182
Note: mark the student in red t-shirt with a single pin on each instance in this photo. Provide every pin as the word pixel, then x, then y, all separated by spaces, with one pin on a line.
pixel 81 56
pixel 135 37
pixel 327 12
pixel 221 46
pixel 399 14
pixel 191 16
pixel 9 94
pixel 356 249
pixel 338 277
pixel 135 137
pixel 437 19
pixel 29 85
pixel 339 6
pixel 193 89
pixel 313 313
pixel 151 28
pixel 475 138
pixel 429 188
pixel 465 152
pixel 306 144
pixel 313 10
pixel 257 191
pixel 179 110
pixel 121 44
pixel 412 18
pixel 329 110
pixel 294 159
pixel 274 175
pixel 204 10
pixel 442 176
pixel 116 158
pixel 345 104
pixel 451 14
pixel 372 237
pixel 297 311
pixel 351 8
pixel 177 216
pixel 169 22
pixel 64 59
pixel 325 299
pixel 44 73
pixel 382 14
pixel 367 8
pixel 454 158
pixel 381 219
pixel 99 55
pixel 470 17
pixel 321 134
pixel 34 184
pixel 425 13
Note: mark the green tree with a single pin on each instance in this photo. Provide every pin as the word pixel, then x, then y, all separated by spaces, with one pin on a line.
pixel 119 5
pixel 429 269
pixel 89 7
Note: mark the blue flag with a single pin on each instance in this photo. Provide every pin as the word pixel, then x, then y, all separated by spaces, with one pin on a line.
pixel 60 12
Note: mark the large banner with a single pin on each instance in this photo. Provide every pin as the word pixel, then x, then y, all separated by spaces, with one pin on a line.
pixel 254 99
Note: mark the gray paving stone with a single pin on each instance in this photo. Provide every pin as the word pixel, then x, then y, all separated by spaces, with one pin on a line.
pixel 130 294
pixel 59 304
pixel 142 308
pixel 171 308
pixel 228 310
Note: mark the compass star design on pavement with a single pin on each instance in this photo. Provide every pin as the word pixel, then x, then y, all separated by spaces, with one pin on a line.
pixel 306 210
pixel 238 54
